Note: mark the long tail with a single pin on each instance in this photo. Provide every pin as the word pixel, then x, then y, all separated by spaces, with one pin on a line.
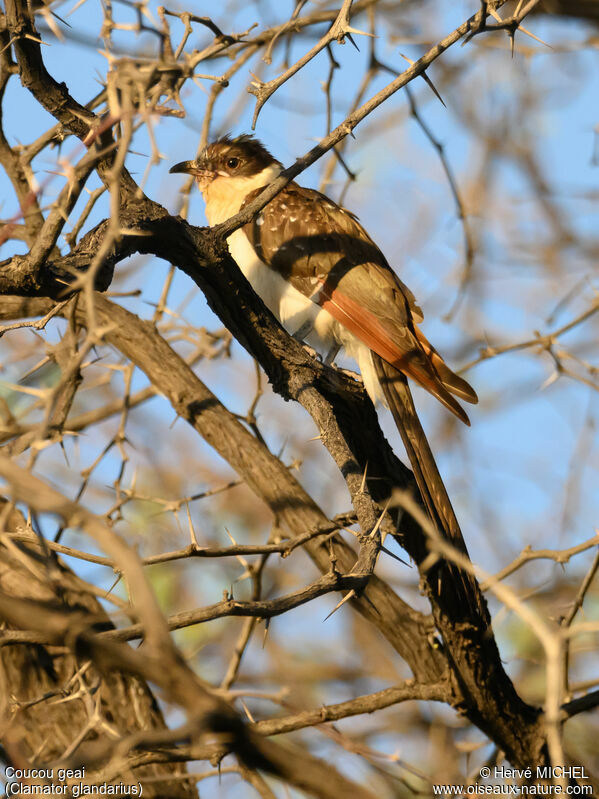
pixel 429 481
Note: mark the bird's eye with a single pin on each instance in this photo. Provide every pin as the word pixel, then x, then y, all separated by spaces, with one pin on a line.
pixel 232 163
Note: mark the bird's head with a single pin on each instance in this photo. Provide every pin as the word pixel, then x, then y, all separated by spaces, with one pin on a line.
pixel 243 158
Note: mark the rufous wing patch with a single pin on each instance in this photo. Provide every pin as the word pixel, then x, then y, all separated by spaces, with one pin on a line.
pixel 411 361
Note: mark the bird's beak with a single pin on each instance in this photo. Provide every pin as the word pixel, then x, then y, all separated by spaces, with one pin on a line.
pixel 203 176
pixel 186 167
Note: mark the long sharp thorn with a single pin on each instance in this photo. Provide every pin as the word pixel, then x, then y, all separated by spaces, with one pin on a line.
pixel 393 555
pixel 532 36
pixel 357 32
pixel 426 79
pixel 431 85
pixel 350 37
pixel 192 532
pixel 363 483
pixel 349 595
pixel 380 519
pixel 247 712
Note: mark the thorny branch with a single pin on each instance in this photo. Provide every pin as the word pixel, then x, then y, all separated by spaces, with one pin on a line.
pixel 462 668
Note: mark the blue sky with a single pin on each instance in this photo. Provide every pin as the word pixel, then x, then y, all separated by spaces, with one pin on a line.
pixel 508 474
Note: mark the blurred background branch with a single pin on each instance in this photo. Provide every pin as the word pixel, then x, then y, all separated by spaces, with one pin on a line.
pixel 486 205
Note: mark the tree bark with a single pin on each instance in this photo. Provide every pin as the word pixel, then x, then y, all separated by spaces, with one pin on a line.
pixel 54 704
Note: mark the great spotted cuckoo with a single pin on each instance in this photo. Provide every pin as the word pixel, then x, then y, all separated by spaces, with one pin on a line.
pixel 324 278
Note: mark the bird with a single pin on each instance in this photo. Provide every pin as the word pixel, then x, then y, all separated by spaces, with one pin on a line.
pixel 320 273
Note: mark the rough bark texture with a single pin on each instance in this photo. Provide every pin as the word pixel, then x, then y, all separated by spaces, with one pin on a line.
pixel 50 698
pixel 465 661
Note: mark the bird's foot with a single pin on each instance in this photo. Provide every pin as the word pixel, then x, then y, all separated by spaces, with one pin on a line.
pixel 332 354
pixel 350 373
pixel 311 351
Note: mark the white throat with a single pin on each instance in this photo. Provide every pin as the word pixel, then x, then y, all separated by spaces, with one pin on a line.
pixel 224 196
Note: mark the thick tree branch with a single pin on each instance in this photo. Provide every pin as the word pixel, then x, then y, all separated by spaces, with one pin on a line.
pixel 158 660
pixel 344 416
pixel 480 677
pixel 34 678
pixel 293 509
pixel 407 692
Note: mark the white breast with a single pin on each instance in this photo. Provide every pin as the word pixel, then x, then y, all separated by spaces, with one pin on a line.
pixel 290 306
pixel 294 310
